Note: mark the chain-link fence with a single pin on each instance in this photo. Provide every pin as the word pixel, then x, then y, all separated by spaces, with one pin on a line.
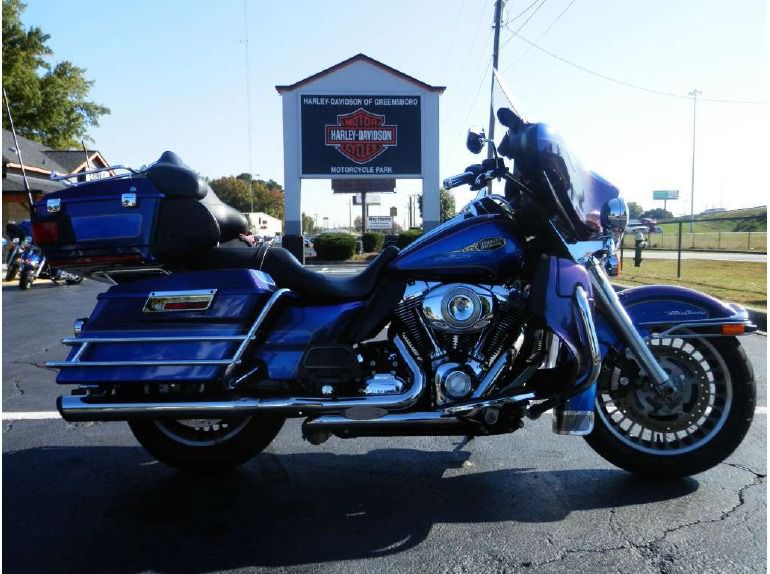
pixel 718 234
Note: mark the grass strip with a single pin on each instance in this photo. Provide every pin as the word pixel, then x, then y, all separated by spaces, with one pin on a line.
pixel 743 282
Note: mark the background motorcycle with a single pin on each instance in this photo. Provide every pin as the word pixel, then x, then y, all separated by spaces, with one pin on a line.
pixel 17 233
pixel 494 317
pixel 32 263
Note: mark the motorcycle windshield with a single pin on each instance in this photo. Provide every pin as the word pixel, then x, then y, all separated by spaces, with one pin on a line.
pixel 579 193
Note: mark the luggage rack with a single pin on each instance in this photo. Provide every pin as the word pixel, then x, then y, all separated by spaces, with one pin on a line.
pixel 66 177
pixel 87 342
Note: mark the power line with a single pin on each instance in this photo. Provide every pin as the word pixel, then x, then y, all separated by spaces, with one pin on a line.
pixel 516 32
pixel 548 29
pixel 629 84
pixel 520 14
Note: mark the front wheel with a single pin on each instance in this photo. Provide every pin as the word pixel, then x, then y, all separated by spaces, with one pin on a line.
pixel 10 273
pixel 639 431
pixel 206 444
pixel 26 278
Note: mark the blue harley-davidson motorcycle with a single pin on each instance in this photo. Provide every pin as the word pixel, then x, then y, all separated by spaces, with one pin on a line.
pixel 499 315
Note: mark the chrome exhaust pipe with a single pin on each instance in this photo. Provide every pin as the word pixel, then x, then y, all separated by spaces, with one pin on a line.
pixel 399 424
pixel 80 408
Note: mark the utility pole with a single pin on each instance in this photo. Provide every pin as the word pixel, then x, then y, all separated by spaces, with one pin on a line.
pixel 694 94
pixel 495 56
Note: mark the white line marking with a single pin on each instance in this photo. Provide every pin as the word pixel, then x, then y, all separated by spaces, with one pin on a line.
pixel 30 416
pixel 54 415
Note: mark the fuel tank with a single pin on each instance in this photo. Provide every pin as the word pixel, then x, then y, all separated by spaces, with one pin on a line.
pixel 467 247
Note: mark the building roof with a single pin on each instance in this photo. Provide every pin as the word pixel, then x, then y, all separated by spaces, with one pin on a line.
pixel 368 60
pixel 32 153
pixel 74 160
pixel 14 183
pixel 41 159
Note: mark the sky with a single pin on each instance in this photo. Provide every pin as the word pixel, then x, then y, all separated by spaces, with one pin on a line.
pixel 174 75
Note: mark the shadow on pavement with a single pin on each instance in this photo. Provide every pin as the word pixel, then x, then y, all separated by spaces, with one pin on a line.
pixel 116 510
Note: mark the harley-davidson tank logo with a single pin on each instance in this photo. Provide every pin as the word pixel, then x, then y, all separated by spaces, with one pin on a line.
pixel 361 136
pixel 488 244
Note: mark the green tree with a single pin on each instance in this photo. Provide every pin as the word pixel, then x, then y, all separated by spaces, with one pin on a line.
pixel 266 196
pixel 49 103
pixel 447 207
pixel 233 191
pixel 634 210
pixel 308 225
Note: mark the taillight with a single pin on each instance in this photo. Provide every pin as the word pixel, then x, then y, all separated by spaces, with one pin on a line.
pixel 45 233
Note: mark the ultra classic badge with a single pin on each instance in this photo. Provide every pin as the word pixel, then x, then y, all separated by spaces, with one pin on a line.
pixel 361 136
pixel 487 244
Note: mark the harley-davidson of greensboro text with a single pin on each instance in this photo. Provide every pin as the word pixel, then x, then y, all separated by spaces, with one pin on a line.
pixel 499 315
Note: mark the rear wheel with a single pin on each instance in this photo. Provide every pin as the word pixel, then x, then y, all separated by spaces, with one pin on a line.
pixel 206 444
pixel 636 429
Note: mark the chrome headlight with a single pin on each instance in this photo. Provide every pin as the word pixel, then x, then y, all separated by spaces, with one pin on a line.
pixel 615 215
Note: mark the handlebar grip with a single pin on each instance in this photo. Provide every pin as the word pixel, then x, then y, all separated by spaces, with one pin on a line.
pixel 466 178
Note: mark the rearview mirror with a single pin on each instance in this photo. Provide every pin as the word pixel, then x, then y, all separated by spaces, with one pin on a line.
pixel 475 142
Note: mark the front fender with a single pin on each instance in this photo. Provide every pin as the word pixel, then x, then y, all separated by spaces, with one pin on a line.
pixel 666 309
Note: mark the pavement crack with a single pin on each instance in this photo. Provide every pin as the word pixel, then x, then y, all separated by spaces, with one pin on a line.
pixel 651 550
pixel 34 364
pixel 745 468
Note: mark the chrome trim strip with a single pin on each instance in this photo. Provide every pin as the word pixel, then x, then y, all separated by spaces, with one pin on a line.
pixel 78 341
pixel 168 363
pixel 156 298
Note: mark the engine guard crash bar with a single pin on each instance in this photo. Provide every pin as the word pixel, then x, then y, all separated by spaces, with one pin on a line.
pixel 80 408
pixel 86 343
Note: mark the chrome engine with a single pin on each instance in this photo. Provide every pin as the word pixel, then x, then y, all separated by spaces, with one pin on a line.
pixel 458 330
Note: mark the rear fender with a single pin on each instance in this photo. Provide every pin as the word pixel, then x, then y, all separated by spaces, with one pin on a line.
pixel 665 310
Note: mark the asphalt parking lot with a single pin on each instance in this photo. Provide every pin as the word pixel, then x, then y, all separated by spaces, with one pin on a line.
pixel 86 498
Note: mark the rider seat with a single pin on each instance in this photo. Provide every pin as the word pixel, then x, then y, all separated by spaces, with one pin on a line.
pixel 288 272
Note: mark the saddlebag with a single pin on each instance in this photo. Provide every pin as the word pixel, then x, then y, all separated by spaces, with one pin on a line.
pixel 170 329
pixel 139 221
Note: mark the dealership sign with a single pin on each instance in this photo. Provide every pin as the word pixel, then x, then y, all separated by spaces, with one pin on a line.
pixel 379 222
pixel 360 136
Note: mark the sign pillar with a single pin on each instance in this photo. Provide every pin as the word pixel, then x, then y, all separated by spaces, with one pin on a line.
pixel 431 209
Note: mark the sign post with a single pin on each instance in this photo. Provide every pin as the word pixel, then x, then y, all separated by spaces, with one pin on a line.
pixel 665 195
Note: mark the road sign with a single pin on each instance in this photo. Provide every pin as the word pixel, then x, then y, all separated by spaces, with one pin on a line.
pixel 379 222
pixel 665 194
pixel 393 211
pixel 371 199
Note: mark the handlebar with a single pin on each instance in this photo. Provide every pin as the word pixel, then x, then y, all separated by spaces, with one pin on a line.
pixel 466 178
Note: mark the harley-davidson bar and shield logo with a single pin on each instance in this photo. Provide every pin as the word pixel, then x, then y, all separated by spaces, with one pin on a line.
pixel 361 136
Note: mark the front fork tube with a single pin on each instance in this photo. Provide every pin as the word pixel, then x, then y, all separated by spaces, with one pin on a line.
pixel 616 314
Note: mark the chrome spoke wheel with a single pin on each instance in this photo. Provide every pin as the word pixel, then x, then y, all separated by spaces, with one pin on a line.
pixel 640 418
pixel 202 432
